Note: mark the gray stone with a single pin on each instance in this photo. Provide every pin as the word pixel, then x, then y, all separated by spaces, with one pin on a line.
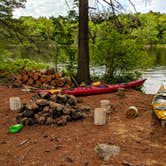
pixel 104 151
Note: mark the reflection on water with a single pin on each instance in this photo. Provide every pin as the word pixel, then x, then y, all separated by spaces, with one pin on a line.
pixel 155 77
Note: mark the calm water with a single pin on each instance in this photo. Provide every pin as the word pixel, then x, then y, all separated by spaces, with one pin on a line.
pixel 155 77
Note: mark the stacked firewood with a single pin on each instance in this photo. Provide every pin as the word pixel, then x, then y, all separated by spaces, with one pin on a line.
pixel 46 109
pixel 46 79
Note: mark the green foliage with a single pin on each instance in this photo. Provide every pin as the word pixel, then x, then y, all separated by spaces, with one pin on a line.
pixel 7 6
pixel 55 40
pixel 14 66
pixel 119 52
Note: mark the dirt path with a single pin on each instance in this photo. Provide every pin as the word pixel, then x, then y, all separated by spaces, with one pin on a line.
pixel 142 140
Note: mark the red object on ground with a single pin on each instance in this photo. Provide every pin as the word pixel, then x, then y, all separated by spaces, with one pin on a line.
pixel 92 90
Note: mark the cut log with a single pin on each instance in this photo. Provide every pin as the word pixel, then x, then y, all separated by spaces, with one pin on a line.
pixel 58 75
pixel 53 83
pixel 25 77
pixel 121 92
pixel 35 76
pixel 43 78
pixel 37 83
pixel 30 81
pixel 48 78
pixel 60 82
pixel 132 112
pixel 19 77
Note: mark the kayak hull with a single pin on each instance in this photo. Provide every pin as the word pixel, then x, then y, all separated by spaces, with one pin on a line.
pixel 92 90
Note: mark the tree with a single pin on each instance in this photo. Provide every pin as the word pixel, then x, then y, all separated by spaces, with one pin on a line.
pixel 7 7
pixel 83 45
pixel 6 20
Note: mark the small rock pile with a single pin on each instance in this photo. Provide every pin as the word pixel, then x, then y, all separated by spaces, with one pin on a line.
pixel 47 109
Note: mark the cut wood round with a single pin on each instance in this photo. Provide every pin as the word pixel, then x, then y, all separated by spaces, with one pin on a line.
pixel 37 83
pixel 35 76
pixel 30 73
pixel 53 77
pixel 25 77
pixel 132 112
pixel 19 77
pixel 49 71
pixel 58 75
pixel 60 82
pixel 121 92
pixel 30 81
pixel 48 79
pixel 53 83
pixel 43 78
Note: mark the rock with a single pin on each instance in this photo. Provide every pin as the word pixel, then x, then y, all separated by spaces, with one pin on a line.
pixel 71 100
pixel 24 121
pixel 49 121
pixel 67 110
pixel 86 163
pixel 80 100
pixel 57 106
pixel 44 95
pixel 53 98
pixel 28 113
pixel 69 159
pixel 75 115
pixel 61 121
pixel 41 120
pixel 31 121
pixel 61 99
pixel 68 118
pixel 35 97
pixel 32 106
pixel 42 102
pixel 46 109
pixel 126 163
pixel 23 107
pixel 84 108
pixel 104 151
pixel 3 142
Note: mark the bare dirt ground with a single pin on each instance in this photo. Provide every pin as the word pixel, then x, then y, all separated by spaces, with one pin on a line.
pixel 142 140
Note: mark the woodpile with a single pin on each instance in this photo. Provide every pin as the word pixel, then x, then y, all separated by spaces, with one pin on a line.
pixel 47 79
pixel 47 109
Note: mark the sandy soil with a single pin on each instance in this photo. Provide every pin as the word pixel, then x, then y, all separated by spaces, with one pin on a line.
pixel 142 140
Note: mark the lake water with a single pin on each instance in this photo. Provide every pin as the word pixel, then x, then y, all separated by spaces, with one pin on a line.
pixel 155 76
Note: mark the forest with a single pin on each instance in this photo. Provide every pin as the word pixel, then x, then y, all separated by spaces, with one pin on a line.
pixel 120 43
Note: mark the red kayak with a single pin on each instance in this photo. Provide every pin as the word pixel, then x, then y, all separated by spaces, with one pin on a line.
pixel 92 90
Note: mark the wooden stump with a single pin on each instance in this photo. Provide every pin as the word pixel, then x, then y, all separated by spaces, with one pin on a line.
pixel 121 92
pixel 132 112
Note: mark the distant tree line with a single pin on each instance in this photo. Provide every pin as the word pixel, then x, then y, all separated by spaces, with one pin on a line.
pixel 119 45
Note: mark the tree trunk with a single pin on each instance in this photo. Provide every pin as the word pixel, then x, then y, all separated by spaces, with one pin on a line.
pixel 83 45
